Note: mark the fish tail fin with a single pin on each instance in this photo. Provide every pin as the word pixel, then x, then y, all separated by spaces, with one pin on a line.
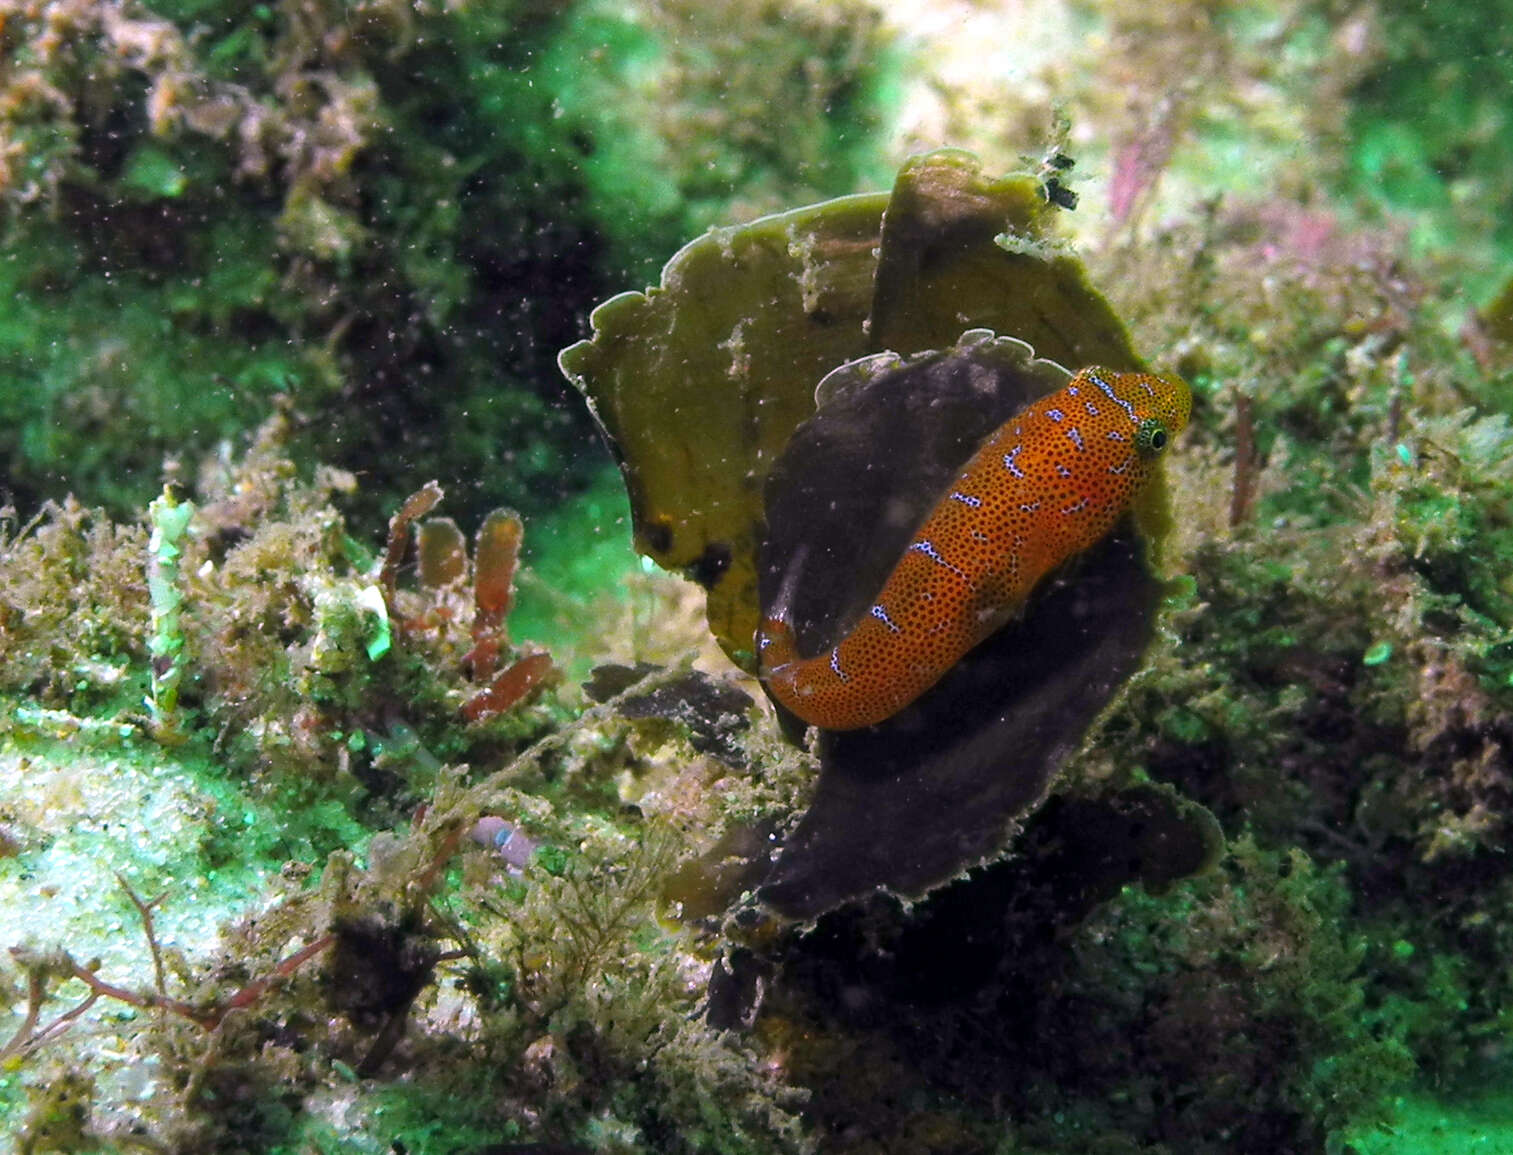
pixel 776 643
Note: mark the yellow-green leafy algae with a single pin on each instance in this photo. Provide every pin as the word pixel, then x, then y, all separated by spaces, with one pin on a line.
pixel 699 383
pixel 707 389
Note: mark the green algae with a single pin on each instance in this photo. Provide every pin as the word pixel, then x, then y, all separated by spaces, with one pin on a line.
pixel 90 822
pixel 1430 1123
pixel 1430 133
pixel 68 383
pixel 388 216
pixel 662 170
pixel 217 816
pixel 576 554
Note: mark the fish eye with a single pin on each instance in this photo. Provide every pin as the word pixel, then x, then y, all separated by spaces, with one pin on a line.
pixel 1151 438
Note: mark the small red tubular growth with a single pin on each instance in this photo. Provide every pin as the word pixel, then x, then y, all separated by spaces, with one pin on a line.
pixel 496 554
pixel 510 686
pixel 417 505
pixel 442 564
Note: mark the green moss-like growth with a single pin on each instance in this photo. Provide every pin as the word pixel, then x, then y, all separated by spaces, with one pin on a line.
pixel 285 708
pixel 1335 680
pixel 393 215
pixel 994 1012
pixel 73 592
pixel 1429 131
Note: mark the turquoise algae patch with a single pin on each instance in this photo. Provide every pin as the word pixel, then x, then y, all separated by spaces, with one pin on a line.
pixel 91 812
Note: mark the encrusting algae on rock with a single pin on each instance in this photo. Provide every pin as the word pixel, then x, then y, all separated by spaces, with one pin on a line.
pixel 323 732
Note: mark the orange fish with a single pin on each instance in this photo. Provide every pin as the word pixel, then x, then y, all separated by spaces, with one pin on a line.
pixel 1046 485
